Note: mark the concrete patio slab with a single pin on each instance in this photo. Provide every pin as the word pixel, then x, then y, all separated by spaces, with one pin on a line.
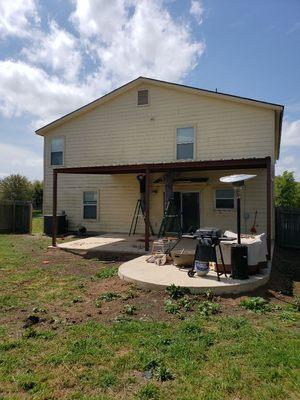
pixel 151 276
pixel 111 242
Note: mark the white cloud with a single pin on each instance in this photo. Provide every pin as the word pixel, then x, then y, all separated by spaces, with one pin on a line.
pixel 197 10
pixel 15 159
pixel 28 89
pixel 17 17
pixel 145 41
pixel 291 133
pixel 100 18
pixel 58 50
pixel 288 163
pixel 119 39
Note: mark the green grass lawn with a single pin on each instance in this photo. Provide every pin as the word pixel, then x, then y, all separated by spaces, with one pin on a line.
pixel 37 222
pixel 100 338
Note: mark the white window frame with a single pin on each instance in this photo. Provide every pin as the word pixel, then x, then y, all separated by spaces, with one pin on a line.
pixel 97 205
pixel 64 151
pixel 215 199
pixel 137 97
pixel 194 143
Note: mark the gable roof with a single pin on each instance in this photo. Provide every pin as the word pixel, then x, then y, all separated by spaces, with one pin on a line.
pixel 278 108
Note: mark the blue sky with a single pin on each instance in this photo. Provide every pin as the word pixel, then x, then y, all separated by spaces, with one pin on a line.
pixel 57 55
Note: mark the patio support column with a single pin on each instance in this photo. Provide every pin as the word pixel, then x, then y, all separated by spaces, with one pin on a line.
pixel 147 209
pixel 269 207
pixel 54 208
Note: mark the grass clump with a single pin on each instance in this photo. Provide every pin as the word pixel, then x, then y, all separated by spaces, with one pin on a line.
pixel 107 273
pixel 207 308
pixel 148 392
pixel 256 304
pixel 107 380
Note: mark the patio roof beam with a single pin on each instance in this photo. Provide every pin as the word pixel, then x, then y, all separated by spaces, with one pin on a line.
pixel 247 163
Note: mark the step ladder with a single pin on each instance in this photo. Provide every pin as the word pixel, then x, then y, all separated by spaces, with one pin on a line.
pixel 171 219
pixel 138 212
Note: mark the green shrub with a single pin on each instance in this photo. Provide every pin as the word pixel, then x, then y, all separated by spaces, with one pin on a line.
pixel 256 304
pixel 206 308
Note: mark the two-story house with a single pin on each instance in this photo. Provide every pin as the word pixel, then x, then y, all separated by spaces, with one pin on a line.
pixel 93 155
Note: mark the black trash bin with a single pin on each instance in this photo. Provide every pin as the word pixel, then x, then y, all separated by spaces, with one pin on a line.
pixel 239 261
pixel 61 225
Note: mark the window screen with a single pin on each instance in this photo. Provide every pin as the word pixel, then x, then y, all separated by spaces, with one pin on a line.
pixel 224 198
pixel 143 97
pixel 90 204
pixel 185 143
pixel 57 151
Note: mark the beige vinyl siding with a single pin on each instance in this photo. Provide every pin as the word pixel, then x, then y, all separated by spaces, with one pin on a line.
pixel 120 132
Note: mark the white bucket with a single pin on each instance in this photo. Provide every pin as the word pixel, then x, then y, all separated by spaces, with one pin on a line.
pixel 201 267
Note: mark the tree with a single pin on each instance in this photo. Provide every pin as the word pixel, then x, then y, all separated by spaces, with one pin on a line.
pixel 37 194
pixel 15 187
pixel 287 193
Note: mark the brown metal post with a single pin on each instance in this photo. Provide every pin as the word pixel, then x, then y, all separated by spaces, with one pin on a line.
pixel 147 209
pixel 269 207
pixel 54 205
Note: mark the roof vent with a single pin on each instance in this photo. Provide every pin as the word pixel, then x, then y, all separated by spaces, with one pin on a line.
pixel 143 97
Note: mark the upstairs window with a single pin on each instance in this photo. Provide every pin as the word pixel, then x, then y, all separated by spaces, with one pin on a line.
pixel 185 143
pixel 143 97
pixel 57 151
pixel 224 199
pixel 90 205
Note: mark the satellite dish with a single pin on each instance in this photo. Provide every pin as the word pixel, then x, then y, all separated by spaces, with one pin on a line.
pixel 236 178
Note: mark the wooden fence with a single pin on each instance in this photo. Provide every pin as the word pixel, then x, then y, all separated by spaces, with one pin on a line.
pixel 288 227
pixel 15 217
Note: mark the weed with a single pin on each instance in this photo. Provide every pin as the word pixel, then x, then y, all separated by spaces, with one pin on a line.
pixel 77 299
pixel 176 292
pixel 206 308
pixel 288 316
pixel 209 294
pixel 130 294
pixel 171 307
pixel 129 309
pixel 255 304
pixel 109 296
pixel 107 273
pixel 185 303
pixel 148 392
pixel 98 303
pixel 162 373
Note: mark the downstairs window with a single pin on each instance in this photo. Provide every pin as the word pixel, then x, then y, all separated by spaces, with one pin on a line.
pixel 90 205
